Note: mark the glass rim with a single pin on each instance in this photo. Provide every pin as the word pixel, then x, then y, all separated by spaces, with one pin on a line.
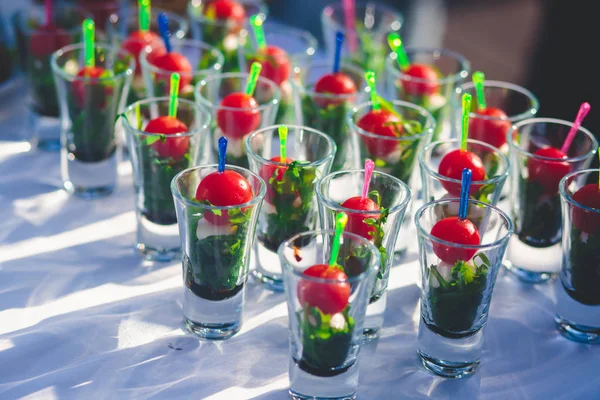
pixel 430 171
pixel 374 264
pixel 554 121
pixel 269 128
pixel 427 129
pixel 144 63
pixel 236 75
pixel 359 6
pixel 302 87
pixel 333 205
pixel 508 222
pixel 199 17
pixel 131 107
pixel 131 16
pixel 79 46
pixel 531 111
pixel 307 37
pixel 465 65
pixel 562 187
pixel 192 203
pixel 25 14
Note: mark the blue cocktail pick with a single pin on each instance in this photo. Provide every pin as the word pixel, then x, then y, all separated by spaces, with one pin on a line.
pixel 163 27
pixel 464 194
pixel 222 153
pixel 339 39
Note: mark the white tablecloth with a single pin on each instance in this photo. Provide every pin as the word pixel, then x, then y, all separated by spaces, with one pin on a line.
pixel 81 316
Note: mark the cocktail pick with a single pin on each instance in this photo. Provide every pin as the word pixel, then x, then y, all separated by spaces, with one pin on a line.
pixel 339 40
pixel 466 109
pixel 283 132
pixel 222 153
pixel 464 194
pixel 174 95
pixel 341 219
pixel 256 23
pixel 88 42
pixel 144 15
pixel 478 78
pixel 349 21
pixel 397 47
pixel 48 11
pixel 255 69
pixel 583 110
pixel 369 167
pixel 163 27
pixel 138 116
pixel 370 78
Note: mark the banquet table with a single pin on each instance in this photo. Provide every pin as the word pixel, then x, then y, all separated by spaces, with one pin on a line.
pixel 82 316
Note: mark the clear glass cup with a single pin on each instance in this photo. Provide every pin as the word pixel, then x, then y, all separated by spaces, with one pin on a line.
pixel 235 123
pixel 91 147
pixel 577 295
pixel 534 252
pixel 382 227
pixel 324 111
pixel 156 160
pixel 435 97
pixel 224 35
pixel 300 47
pixel 367 46
pixel 435 186
pixel 394 156
pixel 36 45
pixel 455 298
pixel 215 257
pixel 325 340
pixel 290 206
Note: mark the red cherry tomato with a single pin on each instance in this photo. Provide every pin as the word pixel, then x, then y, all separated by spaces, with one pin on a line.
pixel 227 188
pixel 238 123
pixel 382 123
pixel 427 80
pixel 81 88
pixel 546 172
pixel 138 41
pixel 452 166
pixel 172 62
pixel 227 10
pixel 335 83
pixel 490 131
pixel 454 230
pixel 330 298
pixel 268 171
pixel 356 222
pixel 275 63
pixel 175 148
pixel 46 40
pixel 584 220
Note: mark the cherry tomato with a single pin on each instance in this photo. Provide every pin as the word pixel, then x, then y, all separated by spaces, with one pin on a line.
pixel 490 131
pixel 227 188
pixel 172 62
pixel 47 39
pixel 91 94
pixel 335 83
pixel 268 171
pixel 548 173
pixel 227 10
pixel 584 220
pixel 138 41
pixel 427 80
pixel 330 298
pixel 356 222
pixel 275 63
pixel 454 230
pixel 452 166
pixel 236 124
pixel 175 148
pixel 382 123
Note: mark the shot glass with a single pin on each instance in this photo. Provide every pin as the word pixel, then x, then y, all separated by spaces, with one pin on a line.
pixel 577 296
pixel 299 46
pixel 36 43
pixel 223 34
pixel 396 156
pixel 456 287
pixel 290 206
pixel 156 160
pixel 215 257
pixel 89 107
pixel 327 112
pixel 534 252
pixel 326 316
pixel 235 123
pixel 435 96
pixel 365 45
pixel 382 227
pixel 435 186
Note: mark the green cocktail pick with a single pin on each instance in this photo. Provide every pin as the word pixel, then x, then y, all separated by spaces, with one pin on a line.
pixel 144 15
pixel 88 42
pixel 256 23
pixel 466 109
pixel 341 219
pixel 174 95
pixel 398 47
pixel 138 116
pixel 478 78
pixel 370 78
pixel 253 79
pixel 283 132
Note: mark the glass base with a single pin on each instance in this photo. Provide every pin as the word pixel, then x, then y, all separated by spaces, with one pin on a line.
pixel 528 276
pixel 532 264
pixel 159 255
pixel 157 242
pixel 271 283
pixel 577 333
pixel 306 386
pixel 213 331
pixel 89 180
pixel 374 317
pixel 51 145
pixel 448 369
pixel 89 193
pixel 576 321
pixel 43 131
pixel 268 268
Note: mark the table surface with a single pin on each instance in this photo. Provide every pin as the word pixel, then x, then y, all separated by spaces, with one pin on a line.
pixel 82 316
